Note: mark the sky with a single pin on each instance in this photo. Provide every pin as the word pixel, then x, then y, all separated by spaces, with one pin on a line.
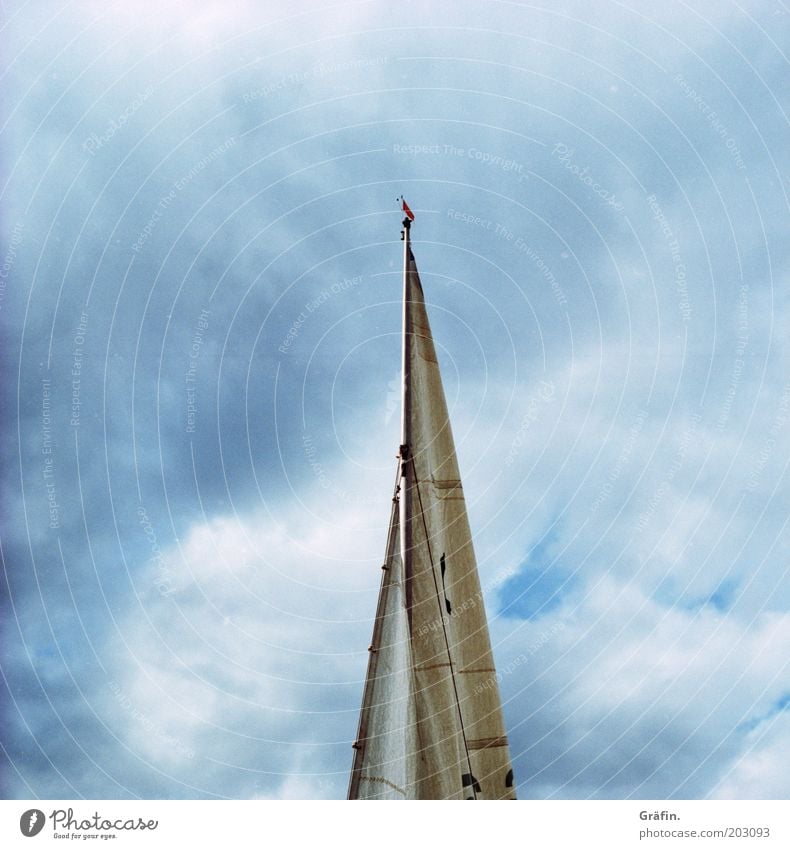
pixel 199 297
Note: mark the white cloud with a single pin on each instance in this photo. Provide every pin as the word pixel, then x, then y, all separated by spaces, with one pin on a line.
pixel 634 698
pixel 760 772
pixel 251 649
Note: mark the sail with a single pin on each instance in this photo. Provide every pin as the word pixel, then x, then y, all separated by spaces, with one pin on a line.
pixel 385 747
pixel 453 745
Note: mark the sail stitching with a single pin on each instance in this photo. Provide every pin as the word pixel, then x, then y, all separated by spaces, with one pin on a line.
pixel 376 778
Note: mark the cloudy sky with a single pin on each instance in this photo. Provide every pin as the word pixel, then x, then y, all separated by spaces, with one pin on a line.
pixel 199 298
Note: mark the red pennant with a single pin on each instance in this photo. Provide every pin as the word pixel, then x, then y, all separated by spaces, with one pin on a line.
pixel 407 210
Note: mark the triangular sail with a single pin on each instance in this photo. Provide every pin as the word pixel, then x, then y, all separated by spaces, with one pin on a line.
pixel 384 757
pixel 453 744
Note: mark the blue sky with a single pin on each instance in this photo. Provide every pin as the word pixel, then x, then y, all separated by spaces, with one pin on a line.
pixel 199 300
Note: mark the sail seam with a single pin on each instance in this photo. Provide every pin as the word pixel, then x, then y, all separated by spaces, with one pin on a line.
pixel 376 778
pixel 488 743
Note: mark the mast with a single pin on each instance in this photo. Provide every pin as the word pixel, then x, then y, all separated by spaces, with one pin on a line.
pixel 406 415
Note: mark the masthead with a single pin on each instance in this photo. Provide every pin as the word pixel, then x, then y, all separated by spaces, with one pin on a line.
pixel 409 215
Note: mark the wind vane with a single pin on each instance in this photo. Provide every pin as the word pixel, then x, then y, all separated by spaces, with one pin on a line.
pixel 406 209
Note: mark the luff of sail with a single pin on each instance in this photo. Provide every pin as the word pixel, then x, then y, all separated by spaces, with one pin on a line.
pixel 430 645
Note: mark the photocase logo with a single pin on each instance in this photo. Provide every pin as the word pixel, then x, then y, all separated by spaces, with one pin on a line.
pixel 31 822
pixel 65 824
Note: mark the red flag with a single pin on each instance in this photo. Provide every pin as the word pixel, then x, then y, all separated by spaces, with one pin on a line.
pixel 407 210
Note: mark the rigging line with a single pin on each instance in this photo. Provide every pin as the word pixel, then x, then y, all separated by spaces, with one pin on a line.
pixel 444 626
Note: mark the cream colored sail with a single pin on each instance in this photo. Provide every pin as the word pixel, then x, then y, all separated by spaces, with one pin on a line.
pixel 455 741
pixel 384 760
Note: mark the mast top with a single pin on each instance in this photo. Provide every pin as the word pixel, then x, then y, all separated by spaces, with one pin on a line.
pixel 408 215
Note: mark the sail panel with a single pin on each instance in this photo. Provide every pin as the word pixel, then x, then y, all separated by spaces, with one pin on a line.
pixel 459 717
pixel 385 749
